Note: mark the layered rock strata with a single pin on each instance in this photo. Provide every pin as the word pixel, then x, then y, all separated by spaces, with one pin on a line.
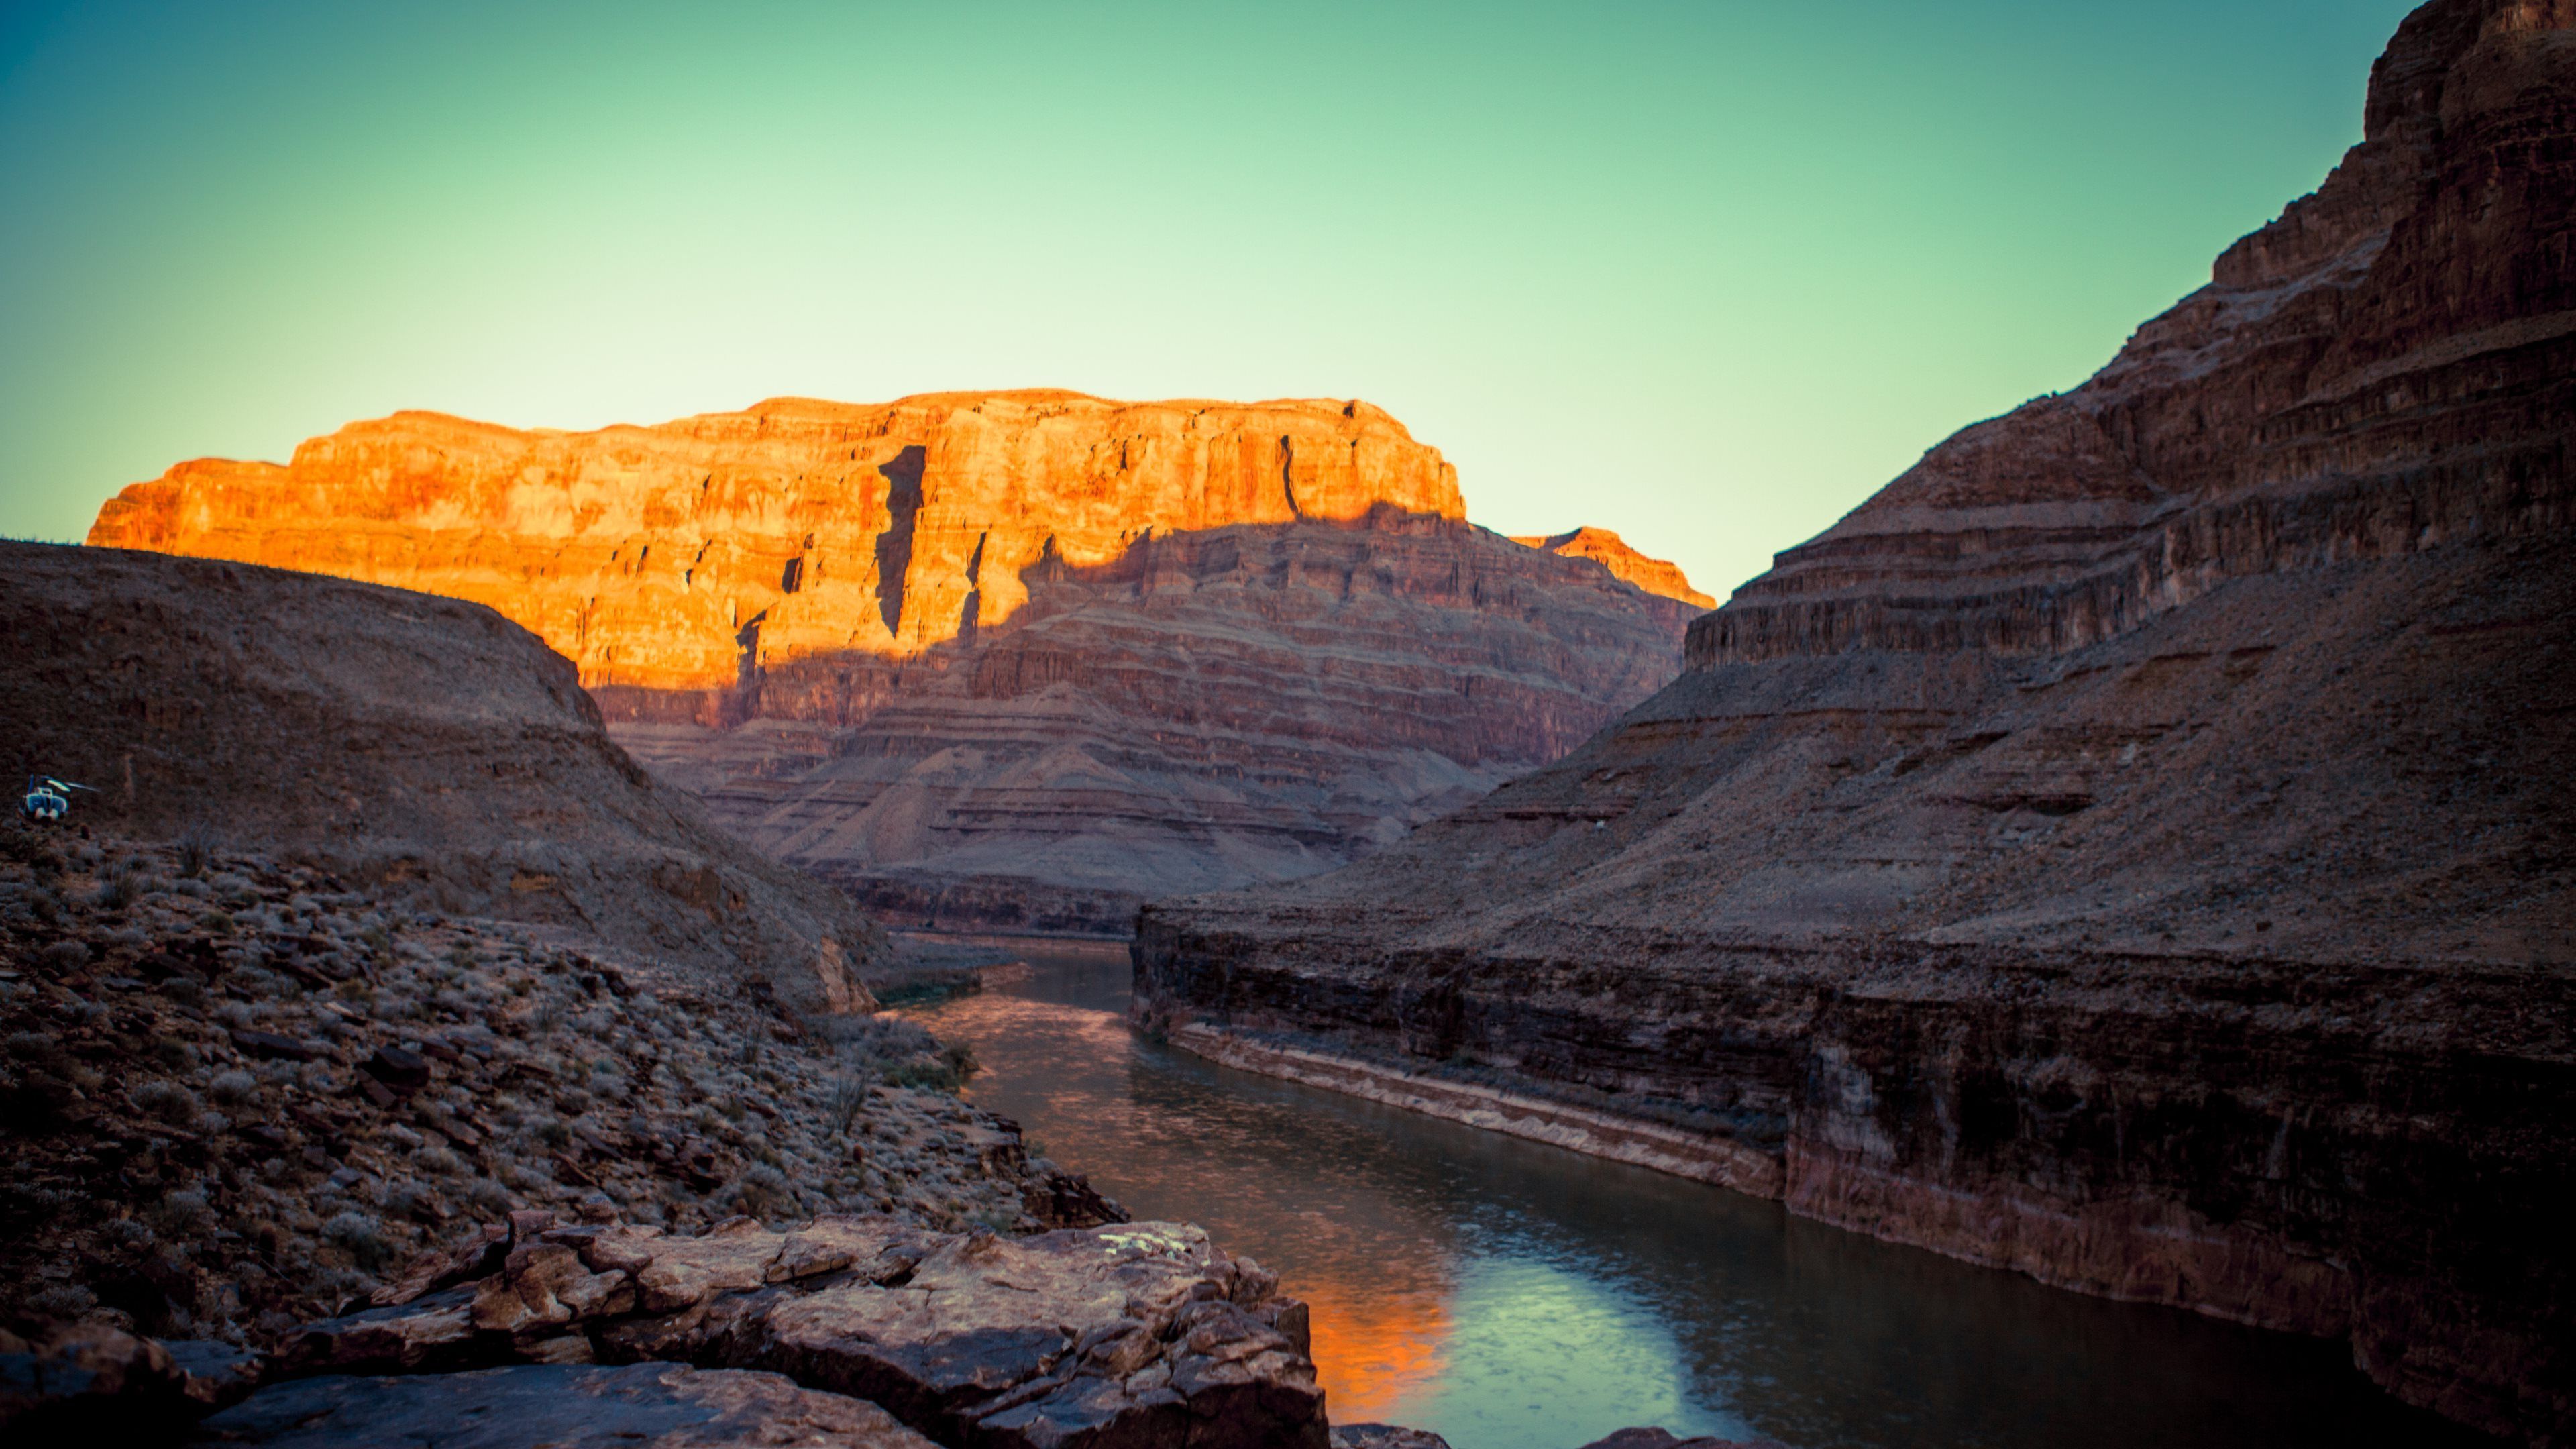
pixel 1211 709
pixel 690 555
pixel 1004 659
pixel 1654 575
pixel 425 751
pixel 2130 848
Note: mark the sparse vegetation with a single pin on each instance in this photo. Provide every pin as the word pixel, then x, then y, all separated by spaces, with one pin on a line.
pixel 553 1077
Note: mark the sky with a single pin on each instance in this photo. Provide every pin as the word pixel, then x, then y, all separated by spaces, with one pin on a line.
pixel 1707 274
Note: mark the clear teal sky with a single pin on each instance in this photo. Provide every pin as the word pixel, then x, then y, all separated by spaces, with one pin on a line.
pixel 1706 274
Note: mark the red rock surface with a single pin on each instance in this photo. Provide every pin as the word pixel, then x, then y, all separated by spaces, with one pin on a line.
pixel 1016 660
pixel 2133 847
pixel 1607 549
pixel 693 554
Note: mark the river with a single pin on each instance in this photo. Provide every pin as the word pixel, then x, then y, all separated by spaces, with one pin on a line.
pixel 1512 1295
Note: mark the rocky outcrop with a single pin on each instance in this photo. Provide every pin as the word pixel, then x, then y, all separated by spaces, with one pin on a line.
pixel 642 1406
pixel 233 1095
pixel 82 1383
pixel 1607 549
pixel 842 1329
pixel 1011 660
pixel 423 750
pixel 2129 848
pixel 862 1330
pixel 1107 1332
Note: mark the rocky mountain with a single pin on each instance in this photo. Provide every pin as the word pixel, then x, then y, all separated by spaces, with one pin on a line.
pixel 2133 848
pixel 322 721
pixel 1014 659
pixel 1609 550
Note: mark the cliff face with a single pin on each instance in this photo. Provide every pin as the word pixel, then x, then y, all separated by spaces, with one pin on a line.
pixel 692 555
pixel 1002 660
pixel 324 721
pixel 1208 710
pixel 1607 549
pixel 2132 848
pixel 2382 369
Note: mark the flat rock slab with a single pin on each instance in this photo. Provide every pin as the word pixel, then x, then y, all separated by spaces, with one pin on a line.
pixel 1138 1334
pixel 1665 1439
pixel 1385 1436
pixel 643 1406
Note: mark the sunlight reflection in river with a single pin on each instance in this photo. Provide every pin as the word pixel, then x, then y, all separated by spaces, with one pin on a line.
pixel 1510 1295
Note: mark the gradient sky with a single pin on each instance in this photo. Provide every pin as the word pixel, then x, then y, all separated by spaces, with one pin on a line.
pixel 1707 274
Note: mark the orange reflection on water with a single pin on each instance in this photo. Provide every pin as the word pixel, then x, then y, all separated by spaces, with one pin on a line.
pixel 1374 1344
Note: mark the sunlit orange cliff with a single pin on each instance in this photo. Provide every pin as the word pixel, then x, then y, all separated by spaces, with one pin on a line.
pixel 1015 659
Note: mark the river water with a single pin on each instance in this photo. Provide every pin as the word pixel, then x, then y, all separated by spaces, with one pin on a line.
pixel 1511 1295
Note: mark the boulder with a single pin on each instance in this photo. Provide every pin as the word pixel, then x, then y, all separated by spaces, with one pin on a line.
pixel 1138 1333
pixel 1385 1436
pixel 85 1382
pixel 1664 1439
pixel 643 1406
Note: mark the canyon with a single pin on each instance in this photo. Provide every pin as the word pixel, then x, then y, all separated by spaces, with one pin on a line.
pixel 2131 848
pixel 1016 660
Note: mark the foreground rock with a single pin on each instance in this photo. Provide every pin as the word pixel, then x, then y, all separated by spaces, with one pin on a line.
pixel 234 1092
pixel 2131 849
pixel 425 751
pixel 844 1329
pixel 80 1382
pixel 1135 1334
pixel 1009 660
pixel 645 1406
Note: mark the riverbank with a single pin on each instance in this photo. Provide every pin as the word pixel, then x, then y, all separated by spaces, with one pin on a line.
pixel 1509 1294
pixel 1700 1158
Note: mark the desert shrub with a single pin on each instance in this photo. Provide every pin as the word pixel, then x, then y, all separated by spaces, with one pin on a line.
pixel 764 1192
pixel 439 1160
pixel 181 1212
pixel 166 1100
pixel 488 1196
pixel 65 955
pixel 849 1097
pixel 233 1088
pixel 945 1071
pixel 411 1200
pixel 61 1300
pixel 38 1049
pixel 197 846
pixel 360 1236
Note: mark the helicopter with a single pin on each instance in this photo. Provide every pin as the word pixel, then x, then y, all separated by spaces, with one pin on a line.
pixel 49 799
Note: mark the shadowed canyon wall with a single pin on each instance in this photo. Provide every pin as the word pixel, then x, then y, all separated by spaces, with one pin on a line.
pixel 2133 848
pixel 323 720
pixel 1001 659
